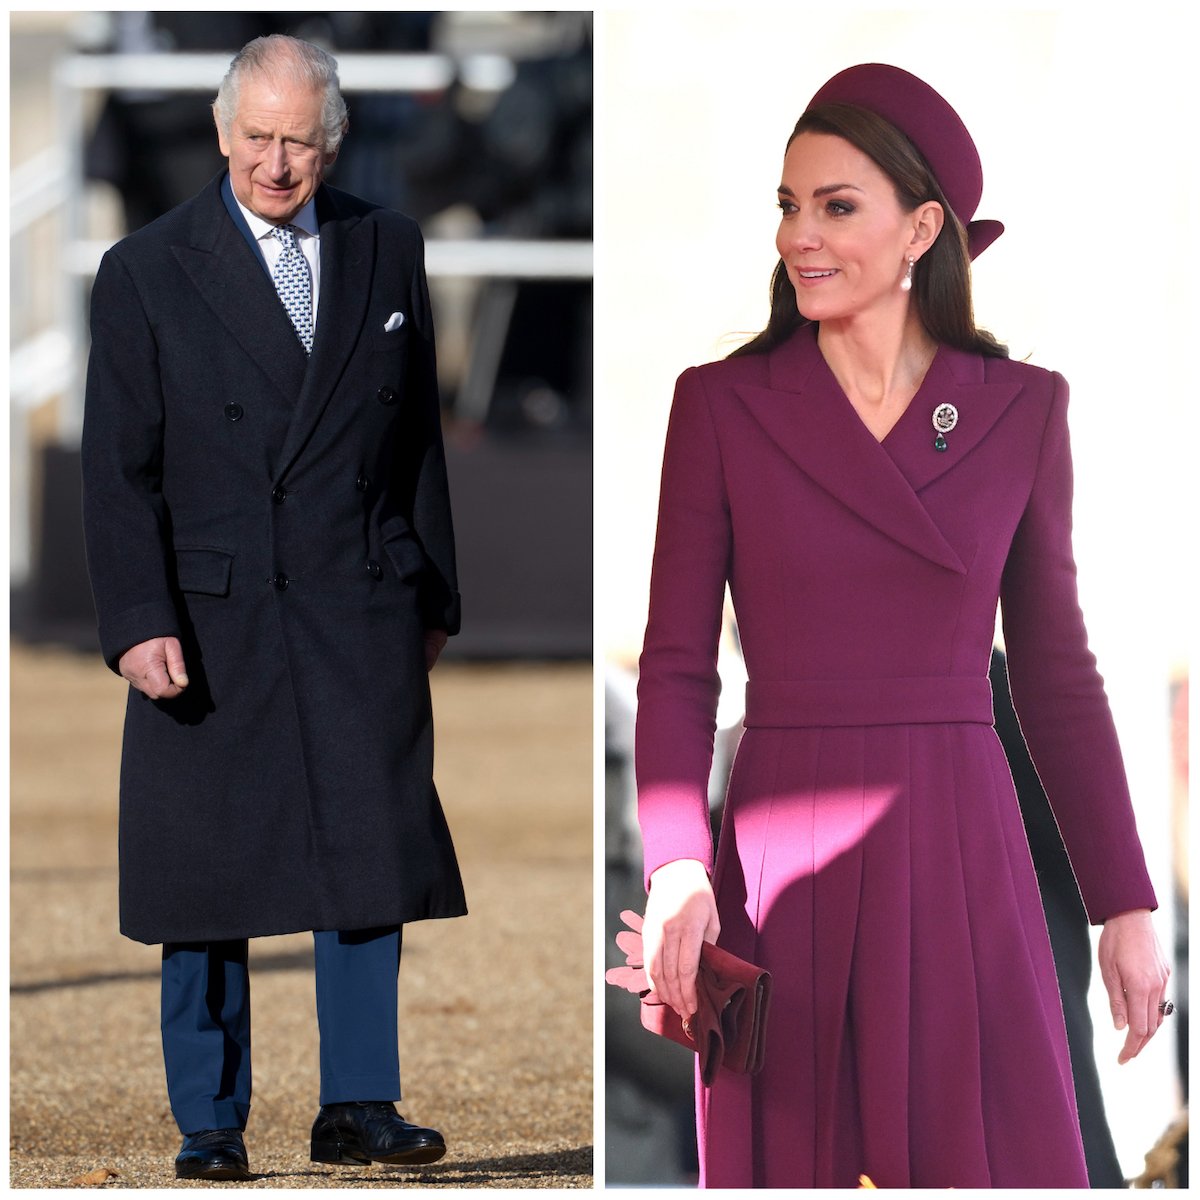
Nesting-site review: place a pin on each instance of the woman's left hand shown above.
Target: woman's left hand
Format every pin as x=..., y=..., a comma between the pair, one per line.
x=1135, y=972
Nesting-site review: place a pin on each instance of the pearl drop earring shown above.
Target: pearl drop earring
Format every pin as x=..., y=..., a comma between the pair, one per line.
x=906, y=282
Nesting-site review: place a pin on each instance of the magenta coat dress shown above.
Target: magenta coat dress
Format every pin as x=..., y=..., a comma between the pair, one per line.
x=872, y=854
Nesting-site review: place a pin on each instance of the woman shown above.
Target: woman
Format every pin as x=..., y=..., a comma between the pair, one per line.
x=870, y=475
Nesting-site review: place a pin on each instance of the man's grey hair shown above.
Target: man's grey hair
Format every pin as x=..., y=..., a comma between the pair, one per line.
x=283, y=59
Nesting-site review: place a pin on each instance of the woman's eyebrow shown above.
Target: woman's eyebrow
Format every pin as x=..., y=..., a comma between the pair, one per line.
x=784, y=190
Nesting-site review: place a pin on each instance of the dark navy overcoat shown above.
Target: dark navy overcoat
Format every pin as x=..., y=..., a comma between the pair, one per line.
x=287, y=518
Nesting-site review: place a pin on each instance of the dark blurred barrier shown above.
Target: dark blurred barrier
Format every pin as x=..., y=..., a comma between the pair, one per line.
x=58, y=604
x=522, y=513
x=523, y=524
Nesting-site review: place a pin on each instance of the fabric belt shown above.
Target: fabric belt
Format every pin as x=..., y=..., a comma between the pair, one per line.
x=796, y=703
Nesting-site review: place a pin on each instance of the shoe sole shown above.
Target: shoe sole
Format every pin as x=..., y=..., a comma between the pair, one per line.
x=338, y=1152
x=232, y=1171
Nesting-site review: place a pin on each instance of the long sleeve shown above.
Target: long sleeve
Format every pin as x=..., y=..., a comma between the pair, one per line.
x=678, y=682
x=125, y=516
x=1059, y=694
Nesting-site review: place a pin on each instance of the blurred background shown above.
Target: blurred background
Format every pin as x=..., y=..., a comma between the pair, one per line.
x=1081, y=126
x=479, y=125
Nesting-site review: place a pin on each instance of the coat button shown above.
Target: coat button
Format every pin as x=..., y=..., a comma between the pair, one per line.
x=374, y=569
x=386, y=395
x=279, y=493
x=362, y=483
x=233, y=412
x=280, y=581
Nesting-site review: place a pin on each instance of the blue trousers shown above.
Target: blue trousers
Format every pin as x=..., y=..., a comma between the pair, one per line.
x=206, y=1024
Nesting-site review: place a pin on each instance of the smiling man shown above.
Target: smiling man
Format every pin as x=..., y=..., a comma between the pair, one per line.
x=272, y=559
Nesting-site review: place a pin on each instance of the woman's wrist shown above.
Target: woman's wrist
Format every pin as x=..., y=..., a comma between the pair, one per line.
x=1136, y=913
x=680, y=868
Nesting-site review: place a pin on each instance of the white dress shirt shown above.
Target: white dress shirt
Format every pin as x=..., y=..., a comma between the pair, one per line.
x=308, y=238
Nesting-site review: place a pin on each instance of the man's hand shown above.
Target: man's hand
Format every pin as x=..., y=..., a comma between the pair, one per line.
x=435, y=643
x=155, y=668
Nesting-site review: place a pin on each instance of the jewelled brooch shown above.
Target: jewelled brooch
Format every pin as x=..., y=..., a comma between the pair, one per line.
x=945, y=417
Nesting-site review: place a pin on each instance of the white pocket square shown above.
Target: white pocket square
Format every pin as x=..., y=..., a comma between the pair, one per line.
x=394, y=322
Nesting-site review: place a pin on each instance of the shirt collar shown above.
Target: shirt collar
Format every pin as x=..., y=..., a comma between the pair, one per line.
x=305, y=220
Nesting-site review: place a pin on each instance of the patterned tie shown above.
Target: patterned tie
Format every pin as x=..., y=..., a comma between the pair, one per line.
x=294, y=284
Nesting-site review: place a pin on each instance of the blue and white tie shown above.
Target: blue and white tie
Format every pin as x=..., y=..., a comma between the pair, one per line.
x=294, y=284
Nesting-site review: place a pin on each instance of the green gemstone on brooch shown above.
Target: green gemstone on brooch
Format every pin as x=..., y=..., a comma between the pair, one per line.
x=939, y=443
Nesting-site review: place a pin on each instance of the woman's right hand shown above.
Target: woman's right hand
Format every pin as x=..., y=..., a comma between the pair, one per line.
x=681, y=913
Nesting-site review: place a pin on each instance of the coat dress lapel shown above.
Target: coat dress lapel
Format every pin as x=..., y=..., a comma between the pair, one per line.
x=957, y=377
x=805, y=412
x=347, y=266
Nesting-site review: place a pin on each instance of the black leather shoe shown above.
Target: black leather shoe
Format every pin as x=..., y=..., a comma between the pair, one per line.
x=213, y=1154
x=371, y=1131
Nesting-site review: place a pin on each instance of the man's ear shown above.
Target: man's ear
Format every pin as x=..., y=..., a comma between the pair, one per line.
x=222, y=139
x=331, y=155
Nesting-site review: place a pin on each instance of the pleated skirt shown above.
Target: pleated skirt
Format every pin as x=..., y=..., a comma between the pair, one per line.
x=916, y=1036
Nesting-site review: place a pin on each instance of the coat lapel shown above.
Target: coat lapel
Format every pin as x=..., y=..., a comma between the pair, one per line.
x=957, y=377
x=347, y=266
x=239, y=292
x=806, y=413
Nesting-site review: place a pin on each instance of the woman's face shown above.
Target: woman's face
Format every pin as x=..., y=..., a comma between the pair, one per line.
x=843, y=236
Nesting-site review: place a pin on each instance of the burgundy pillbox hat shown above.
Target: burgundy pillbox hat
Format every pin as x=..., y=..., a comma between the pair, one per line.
x=931, y=125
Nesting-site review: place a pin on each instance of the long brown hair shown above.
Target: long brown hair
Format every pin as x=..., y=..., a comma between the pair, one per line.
x=941, y=281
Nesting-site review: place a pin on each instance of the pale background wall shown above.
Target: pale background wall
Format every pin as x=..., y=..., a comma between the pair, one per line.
x=1081, y=120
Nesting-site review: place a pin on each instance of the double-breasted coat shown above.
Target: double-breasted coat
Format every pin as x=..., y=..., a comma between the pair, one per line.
x=287, y=518
x=872, y=853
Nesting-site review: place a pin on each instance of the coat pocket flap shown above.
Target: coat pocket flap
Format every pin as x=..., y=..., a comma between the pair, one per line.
x=205, y=570
x=405, y=555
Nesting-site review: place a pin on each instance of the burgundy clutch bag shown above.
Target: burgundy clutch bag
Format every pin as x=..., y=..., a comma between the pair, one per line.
x=729, y=1030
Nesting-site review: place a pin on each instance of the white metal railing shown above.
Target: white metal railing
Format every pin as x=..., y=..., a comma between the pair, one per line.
x=49, y=361
x=357, y=72
x=492, y=258
x=36, y=188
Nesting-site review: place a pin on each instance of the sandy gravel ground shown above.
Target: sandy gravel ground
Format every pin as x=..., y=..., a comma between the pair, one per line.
x=496, y=1030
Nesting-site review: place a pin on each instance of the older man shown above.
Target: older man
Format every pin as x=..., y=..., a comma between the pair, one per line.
x=270, y=546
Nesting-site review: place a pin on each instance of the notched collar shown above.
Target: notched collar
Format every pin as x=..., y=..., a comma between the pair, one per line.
x=347, y=270
x=959, y=378
x=805, y=412
x=228, y=274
